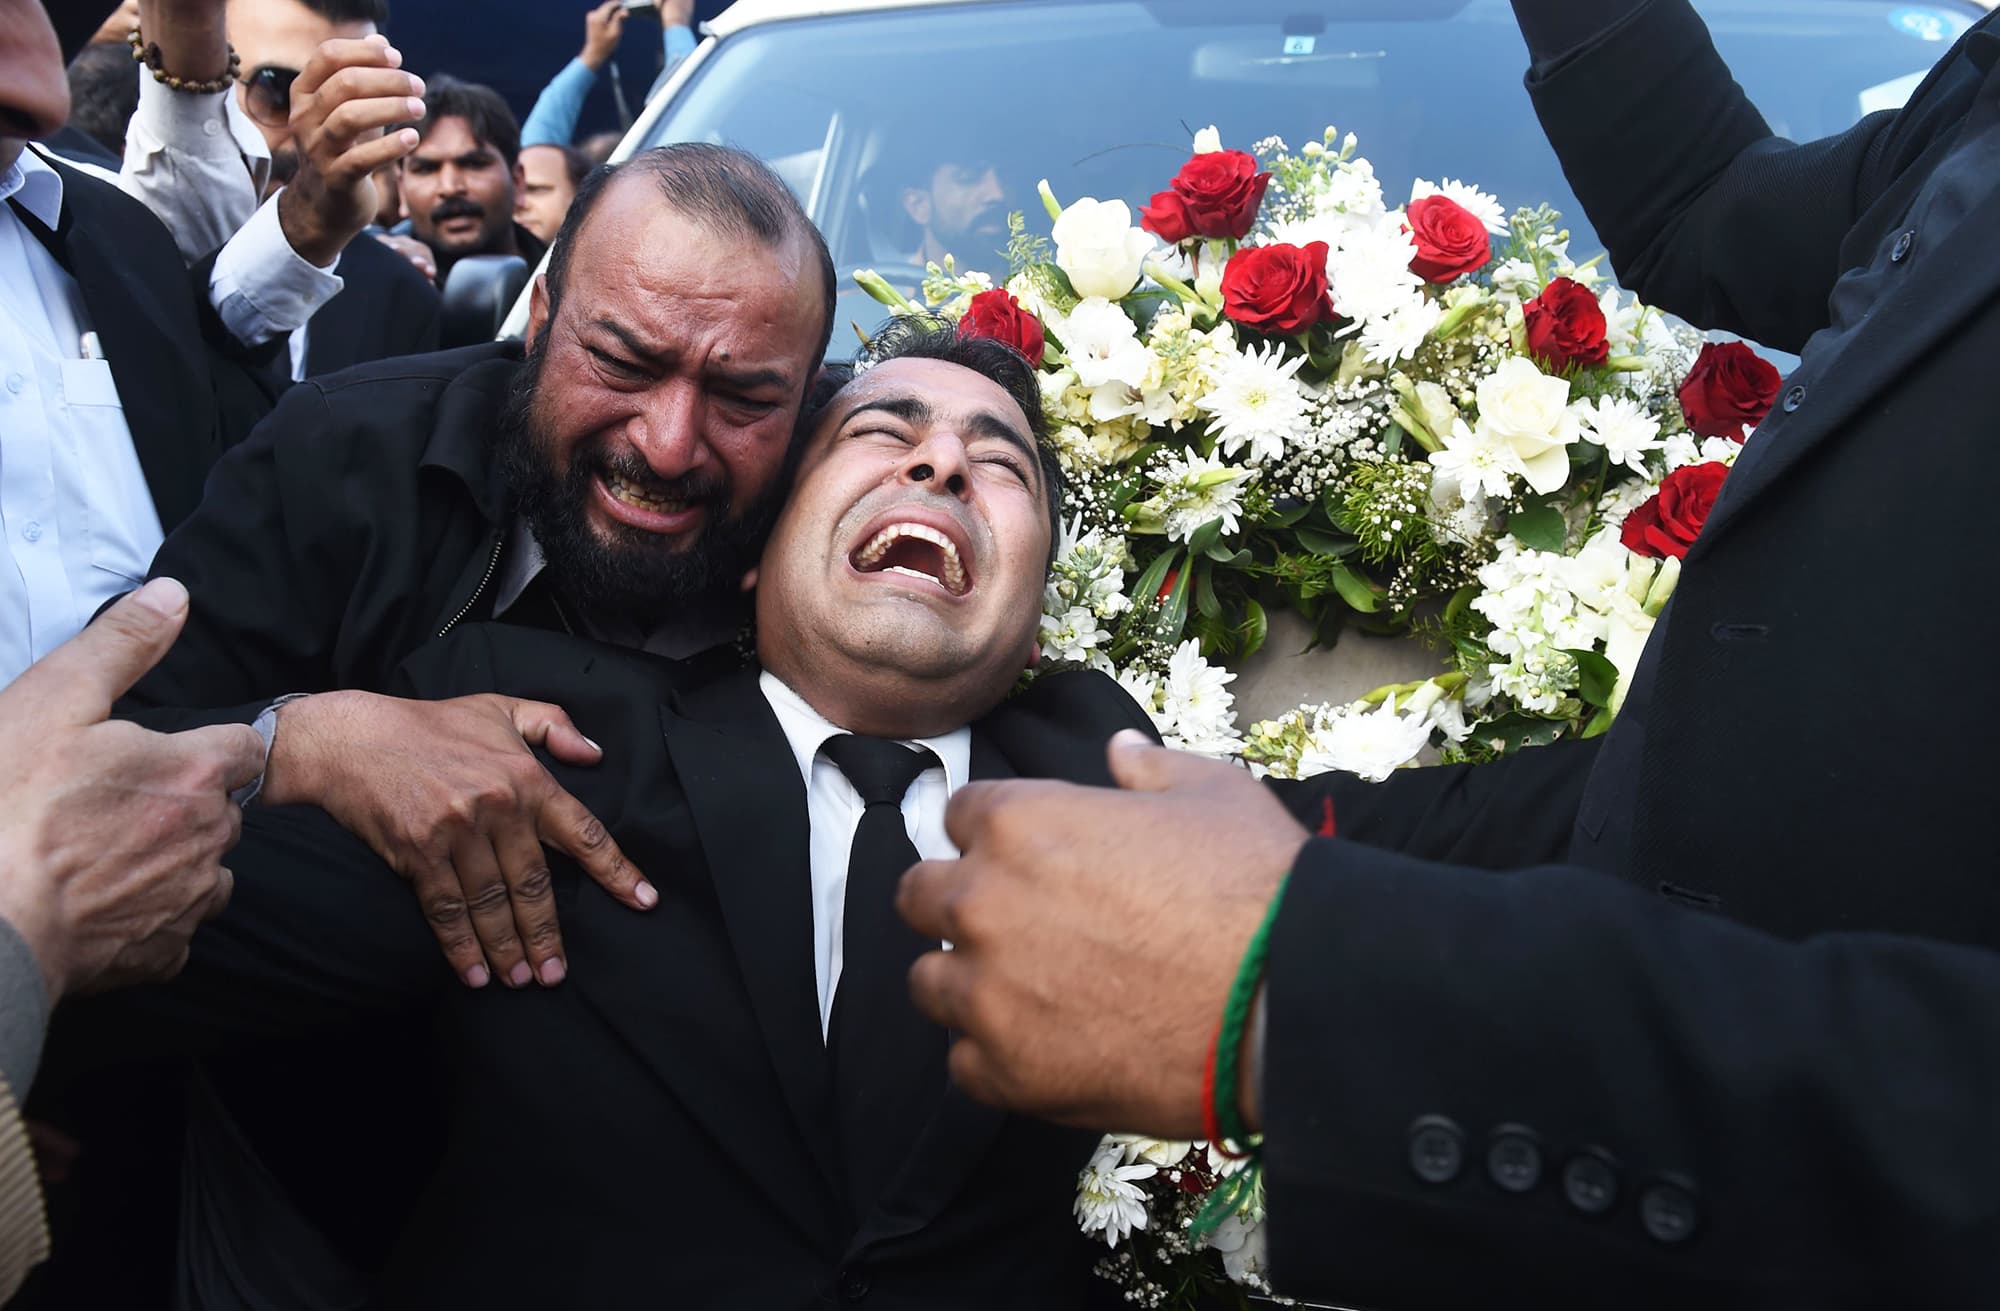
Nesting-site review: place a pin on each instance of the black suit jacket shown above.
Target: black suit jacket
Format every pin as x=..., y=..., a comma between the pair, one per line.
x=1763, y=993
x=189, y=389
x=656, y=1131
x=385, y=308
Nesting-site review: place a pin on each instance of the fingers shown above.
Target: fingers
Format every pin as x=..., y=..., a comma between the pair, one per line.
x=937, y=987
x=543, y=725
x=360, y=161
x=530, y=889
x=412, y=250
x=235, y=751
x=77, y=682
x=924, y=898
x=490, y=908
x=443, y=899
x=1139, y=765
x=566, y=824
x=332, y=56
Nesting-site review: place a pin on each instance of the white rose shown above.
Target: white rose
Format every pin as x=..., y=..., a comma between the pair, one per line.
x=1207, y=141
x=1099, y=249
x=1527, y=411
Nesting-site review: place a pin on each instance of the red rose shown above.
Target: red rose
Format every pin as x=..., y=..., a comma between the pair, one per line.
x=1450, y=241
x=1669, y=523
x=1214, y=195
x=1566, y=326
x=1277, y=289
x=1729, y=386
x=998, y=315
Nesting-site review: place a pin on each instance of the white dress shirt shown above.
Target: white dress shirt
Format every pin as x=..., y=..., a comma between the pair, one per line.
x=834, y=809
x=197, y=161
x=76, y=516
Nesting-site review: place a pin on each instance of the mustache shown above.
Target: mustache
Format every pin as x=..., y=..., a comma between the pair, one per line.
x=457, y=208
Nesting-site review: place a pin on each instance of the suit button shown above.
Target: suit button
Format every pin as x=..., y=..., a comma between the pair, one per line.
x=1668, y=1212
x=1590, y=1182
x=1795, y=398
x=1437, y=1149
x=1513, y=1160
x=1903, y=244
x=853, y=1283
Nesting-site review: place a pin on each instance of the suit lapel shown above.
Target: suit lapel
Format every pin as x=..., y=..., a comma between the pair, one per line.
x=748, y=804
x=1953, y=281
x=960, y=1133
x=168, y=407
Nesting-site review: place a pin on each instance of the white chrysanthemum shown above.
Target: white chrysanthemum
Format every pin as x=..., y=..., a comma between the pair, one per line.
x=1487, y=209
x=1103, y=344
x=1108, y=1198
x=1397, y=335
x=1143, y=686
x=1626, y=432
x=1258, y=401
x=1517, y=279
x=1473, y=466
x=1368, y=273
x=1372, y=746
x=1197, y=710
x=1685, y=448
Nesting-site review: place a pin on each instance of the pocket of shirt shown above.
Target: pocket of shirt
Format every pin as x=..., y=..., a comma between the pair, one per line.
x=89, y=382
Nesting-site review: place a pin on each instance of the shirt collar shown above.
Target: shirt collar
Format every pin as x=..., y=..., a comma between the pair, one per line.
x=807, y=730
x=35, y=187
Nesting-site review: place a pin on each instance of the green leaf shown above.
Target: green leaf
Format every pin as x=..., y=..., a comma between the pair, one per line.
x=1599, y=676
x=1599, y=723
x=1174, y=618
x=1205, y=599
x=1325, y=544
x=1460, y=600
x=1150, y=582
x=1229, y=559
x=1357, y=591
x=1511, y=733
x=1204, y=537
x=1539, y=527
x=1256, y=628
x=1290, y=515
x=1392, y=441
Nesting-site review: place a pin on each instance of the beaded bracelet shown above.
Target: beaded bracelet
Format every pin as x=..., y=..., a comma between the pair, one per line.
x=1222, y=1115
x=149, y=55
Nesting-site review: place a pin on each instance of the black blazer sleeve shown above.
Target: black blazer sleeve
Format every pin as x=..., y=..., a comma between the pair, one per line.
x=1704, y=212
x=1504, y=815
x=1829, y=1109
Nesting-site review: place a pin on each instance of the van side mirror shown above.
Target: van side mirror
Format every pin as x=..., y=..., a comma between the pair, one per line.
x=478, y=292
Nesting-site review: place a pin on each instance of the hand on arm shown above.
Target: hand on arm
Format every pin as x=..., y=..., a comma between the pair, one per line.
x=112, y=837
x=603, y=28
x=449, y=795
x=1095, y=934
x=341, y=102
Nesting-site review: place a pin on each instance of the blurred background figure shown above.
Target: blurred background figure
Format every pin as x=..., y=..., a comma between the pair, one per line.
x=553, y=119
x=275, y=39
x=459, y=183
x=599, y=145
x=103, y=93
x=549, y=177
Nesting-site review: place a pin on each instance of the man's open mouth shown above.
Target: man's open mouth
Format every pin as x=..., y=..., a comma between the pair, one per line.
x=916, y=551
x=641, y=498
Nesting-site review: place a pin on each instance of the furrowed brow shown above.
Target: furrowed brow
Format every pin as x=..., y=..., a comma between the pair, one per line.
x=910, y=409
x=646, y=353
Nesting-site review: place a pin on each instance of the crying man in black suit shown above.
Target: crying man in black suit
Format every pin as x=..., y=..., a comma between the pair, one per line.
x=731, y=1102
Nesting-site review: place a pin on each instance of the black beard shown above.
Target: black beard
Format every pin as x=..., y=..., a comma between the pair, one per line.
x=627, y=573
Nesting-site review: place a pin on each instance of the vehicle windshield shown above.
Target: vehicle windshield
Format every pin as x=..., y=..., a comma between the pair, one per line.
x=908, y=132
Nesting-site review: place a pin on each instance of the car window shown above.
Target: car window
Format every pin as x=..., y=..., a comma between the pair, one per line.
x=908, y=131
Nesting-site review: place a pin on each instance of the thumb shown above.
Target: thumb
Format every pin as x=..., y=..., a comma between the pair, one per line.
x=1140, y=765
x=544, y=725
x=78, y=681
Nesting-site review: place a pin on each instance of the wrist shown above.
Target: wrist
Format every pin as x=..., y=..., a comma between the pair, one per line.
x=193, y=45
x=305, y=228
x=1250, y=1082
x=594, y=60
x=299, y=740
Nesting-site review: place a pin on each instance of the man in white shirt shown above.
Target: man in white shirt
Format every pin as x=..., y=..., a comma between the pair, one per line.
x=118, y=388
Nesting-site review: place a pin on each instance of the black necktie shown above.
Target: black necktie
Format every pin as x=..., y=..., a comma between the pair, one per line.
x=888, y=1061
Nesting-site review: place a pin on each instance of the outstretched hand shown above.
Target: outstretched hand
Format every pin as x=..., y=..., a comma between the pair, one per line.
x=1094, y=934
x=450, y=796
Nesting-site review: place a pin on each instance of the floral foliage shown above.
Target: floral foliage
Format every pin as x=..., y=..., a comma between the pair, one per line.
x=1278, y=389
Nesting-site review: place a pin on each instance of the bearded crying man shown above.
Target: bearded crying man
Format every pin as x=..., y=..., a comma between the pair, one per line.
x=732, y=1102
